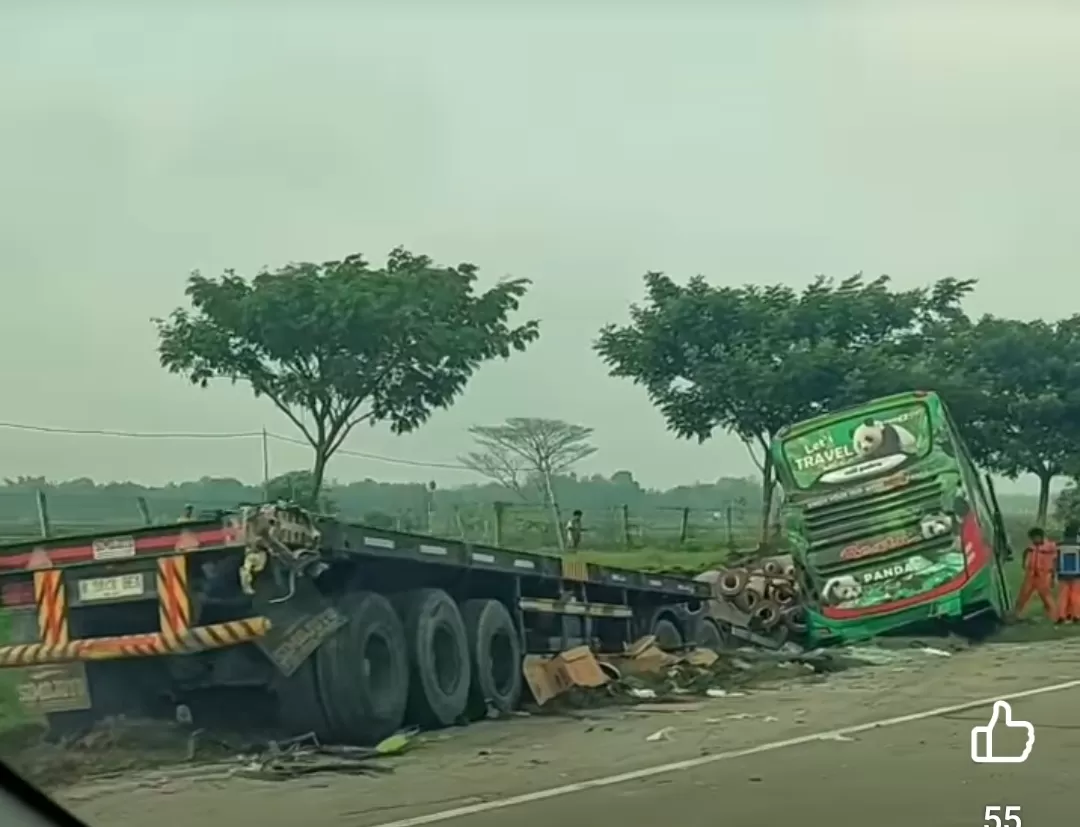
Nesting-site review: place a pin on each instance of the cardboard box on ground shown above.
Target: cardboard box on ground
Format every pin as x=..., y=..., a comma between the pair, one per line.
x=549, y=677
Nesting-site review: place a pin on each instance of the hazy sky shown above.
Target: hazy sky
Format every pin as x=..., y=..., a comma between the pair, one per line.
x=763, y=141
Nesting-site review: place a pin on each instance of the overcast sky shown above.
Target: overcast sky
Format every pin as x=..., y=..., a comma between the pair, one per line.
x=763, y=141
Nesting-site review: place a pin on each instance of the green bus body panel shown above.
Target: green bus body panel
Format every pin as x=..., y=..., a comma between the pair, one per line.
x=888, y=520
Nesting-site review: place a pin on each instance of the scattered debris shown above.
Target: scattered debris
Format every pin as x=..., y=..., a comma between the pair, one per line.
x=662, y=734
x=306, y=756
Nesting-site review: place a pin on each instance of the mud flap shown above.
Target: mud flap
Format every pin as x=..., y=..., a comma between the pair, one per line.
x=60, y=687
x=297, y=625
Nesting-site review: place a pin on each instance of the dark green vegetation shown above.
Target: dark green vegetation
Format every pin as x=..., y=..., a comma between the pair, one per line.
x=752, y=359
x=339, y=343
x=718, y=515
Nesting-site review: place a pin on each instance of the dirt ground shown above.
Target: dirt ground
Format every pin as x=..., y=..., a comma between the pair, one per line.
x=494, y=760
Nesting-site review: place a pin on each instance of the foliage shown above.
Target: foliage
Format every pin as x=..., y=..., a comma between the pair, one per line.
x=1014, y=389
x=752, y=359
x=299, y=487
x=1067, y=505
x=529, y=451
x=339, y=343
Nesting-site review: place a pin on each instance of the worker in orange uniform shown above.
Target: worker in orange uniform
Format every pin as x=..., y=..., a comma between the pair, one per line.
x=1040, y=566
x=1068, y=601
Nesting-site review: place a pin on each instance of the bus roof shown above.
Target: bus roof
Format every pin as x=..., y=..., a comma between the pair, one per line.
x=797, y=428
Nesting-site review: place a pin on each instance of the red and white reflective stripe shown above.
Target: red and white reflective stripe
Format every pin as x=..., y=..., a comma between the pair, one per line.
x=83, y=552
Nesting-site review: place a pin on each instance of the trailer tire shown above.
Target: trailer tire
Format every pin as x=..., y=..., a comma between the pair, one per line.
x=494, y=655
x=713, y=636
x=667, y=634
x=363, y=671
x=438, y=657
x=300, y=708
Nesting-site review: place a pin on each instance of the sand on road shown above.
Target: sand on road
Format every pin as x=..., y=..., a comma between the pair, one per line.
x=492, y=761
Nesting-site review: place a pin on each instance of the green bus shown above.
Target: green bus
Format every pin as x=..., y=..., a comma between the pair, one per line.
x=889, y=522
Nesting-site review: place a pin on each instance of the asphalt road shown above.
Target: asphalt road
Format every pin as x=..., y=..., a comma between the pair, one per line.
x=914, y=772
x=909, y=774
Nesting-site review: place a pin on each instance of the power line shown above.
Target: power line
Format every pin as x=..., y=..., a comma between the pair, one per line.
x=17, y=426
x=362, y=455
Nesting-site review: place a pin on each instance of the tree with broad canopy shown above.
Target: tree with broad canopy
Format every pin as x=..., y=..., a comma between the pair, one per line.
x=529, y=451
x=339, y=343
x=752, y=359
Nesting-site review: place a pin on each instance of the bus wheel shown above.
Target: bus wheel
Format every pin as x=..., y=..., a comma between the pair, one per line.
x=363, y=671
x=495, y=656
x=438, y=657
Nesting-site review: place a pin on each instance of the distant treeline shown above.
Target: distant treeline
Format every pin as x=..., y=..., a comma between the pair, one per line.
x=703, y=514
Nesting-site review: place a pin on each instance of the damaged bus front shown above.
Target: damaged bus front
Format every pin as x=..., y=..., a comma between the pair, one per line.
x=889, y=521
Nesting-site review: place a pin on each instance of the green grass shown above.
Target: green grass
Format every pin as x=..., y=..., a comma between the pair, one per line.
x=11, y=714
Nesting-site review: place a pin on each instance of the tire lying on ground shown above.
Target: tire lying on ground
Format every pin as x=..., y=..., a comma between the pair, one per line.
x=438, y=650
x=362, y=672
x=494, y=657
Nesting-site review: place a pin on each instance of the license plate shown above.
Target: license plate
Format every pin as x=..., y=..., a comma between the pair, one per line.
x=60, y=687
x=110, y=588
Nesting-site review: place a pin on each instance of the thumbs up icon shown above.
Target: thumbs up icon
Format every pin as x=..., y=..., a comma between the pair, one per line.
x=1001, y=716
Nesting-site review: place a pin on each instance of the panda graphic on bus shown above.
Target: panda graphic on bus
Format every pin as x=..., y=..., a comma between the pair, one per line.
x=878, y=446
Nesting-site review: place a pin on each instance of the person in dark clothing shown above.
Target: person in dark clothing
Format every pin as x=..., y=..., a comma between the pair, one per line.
x=574, y=529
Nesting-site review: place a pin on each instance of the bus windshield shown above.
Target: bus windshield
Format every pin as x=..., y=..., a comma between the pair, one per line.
x=859, y=446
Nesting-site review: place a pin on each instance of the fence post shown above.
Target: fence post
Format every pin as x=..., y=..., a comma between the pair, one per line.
x=43, y=514
x=625, y=513
x=730, y=516
x=144, y=510
x=500, y=508
x=684, y=524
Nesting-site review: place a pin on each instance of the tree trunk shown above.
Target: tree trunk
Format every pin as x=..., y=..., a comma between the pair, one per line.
x=768, y=486
x=1045, y=478
x=317, y=474
x=549, y=495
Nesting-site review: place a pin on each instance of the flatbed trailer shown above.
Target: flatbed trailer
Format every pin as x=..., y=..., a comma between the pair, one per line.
x=270, y=614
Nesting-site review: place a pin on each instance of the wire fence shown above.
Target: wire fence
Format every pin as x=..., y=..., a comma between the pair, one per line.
x=27, y=514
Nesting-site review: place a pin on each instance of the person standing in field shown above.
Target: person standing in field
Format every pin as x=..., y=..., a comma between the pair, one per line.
x=1040, y=567
x=1068, y=600
x=574, y=530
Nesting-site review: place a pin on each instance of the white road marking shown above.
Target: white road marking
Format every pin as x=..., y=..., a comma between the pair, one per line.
x=700, y=761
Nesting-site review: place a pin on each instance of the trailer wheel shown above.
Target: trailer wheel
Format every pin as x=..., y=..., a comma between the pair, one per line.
x=667, y=634
x=713, y=636
x=363, y=671
x=495, y=656
x=438, y=656
x=300, y=708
